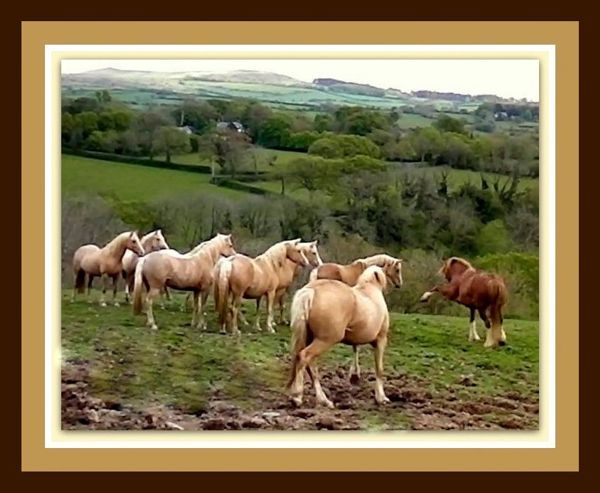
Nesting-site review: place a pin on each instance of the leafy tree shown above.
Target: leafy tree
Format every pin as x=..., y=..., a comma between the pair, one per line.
x=146, y=126
x=446, y=123
x=228, y=149
x=493, y=238
x=323, y=122
x=170, y=140
x=275, y=132
x=326, y=147
x=426, y=142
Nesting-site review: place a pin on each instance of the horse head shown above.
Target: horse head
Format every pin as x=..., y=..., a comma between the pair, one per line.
x=311, y=253
x=134, y=244
x=227, y=249
x=393, y=271
x=294, y=252
x=158, y=242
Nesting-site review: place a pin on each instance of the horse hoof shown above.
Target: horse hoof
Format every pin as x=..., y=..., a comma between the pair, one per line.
x=117, y=303
x=354, y=379
x=383, y=400
x=103, y=304
x=154, y=327
x=297, y=401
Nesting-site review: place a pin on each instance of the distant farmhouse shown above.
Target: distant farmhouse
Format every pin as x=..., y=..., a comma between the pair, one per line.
x=234, y=126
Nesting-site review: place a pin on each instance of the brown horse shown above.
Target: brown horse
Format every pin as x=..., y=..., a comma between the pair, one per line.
x=151, y=242
x=190, y=272
x=105, y=262
x=349, y=274
x=477, y=290
x=360, y=317
x=241, y=277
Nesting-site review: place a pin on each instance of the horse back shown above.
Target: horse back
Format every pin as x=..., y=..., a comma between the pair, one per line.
x=483, y=289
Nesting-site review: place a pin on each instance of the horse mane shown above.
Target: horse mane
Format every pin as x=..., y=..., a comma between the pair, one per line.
x=275, y=254
x=379, y=260
x=117, y=241
x=460, y=260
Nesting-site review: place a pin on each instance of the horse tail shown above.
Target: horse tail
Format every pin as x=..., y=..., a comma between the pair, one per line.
x=499, y=299
x=221, y=288
x=137, y=286
x=79, y=280
x=301, y=305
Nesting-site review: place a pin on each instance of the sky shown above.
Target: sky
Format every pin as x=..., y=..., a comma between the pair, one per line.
x=502, y=77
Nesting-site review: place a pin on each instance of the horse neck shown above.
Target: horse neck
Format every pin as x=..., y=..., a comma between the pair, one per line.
x=212, y=252
x=465, y=272
x=275, y=257
x=117, y=247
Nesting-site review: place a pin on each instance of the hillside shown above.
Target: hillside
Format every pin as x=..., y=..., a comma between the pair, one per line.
x=142, y=87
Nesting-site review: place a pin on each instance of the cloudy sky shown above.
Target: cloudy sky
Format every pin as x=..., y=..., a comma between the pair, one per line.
x=506, y=78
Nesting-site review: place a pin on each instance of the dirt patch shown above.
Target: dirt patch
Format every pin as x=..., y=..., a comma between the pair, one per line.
x=420, y=408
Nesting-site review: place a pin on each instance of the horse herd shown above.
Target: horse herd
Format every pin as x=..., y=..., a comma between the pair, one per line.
x=340, y=303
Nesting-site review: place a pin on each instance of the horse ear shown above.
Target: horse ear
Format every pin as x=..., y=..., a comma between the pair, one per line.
x=296, y=241
x=315, y=242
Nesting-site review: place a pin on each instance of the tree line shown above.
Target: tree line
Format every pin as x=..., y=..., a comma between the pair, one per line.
x=101, y=124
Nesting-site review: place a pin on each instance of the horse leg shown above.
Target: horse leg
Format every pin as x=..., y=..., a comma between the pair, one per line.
x=257, y=319
x=354, y=375
x=195, y=295
x=89, y=285
x=310, y=352
x=321, y=397
x=104, y=288
x=115, y=287
x=488, y=326
x=379, y=346
x=202, y=315
x=150, y=322
x=127, y=279
x=235, y=310
x=270, y=302
x=473, y=335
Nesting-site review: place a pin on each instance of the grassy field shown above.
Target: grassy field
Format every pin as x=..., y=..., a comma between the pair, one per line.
x=134, y=182
x=435, y=378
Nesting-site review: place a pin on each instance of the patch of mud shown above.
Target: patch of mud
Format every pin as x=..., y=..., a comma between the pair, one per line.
x=421, y=408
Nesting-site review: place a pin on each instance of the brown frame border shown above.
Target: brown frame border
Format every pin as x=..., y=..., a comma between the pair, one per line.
x=563, y=35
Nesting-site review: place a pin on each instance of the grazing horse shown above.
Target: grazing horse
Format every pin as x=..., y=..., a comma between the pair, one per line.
x=151, y=242
x=327, y=312
x=190, y=272
x=240, y=277
x=105, y=262
x=476, y=290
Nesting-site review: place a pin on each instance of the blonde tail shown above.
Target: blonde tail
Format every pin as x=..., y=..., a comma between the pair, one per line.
x=221, y=289
x=137, y=286
x=301, y=305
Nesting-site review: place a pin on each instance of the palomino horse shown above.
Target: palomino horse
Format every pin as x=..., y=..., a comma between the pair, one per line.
x=477, y=290
x=290, y=272
x=103, y=262
x=190, y=272
x=360, y=317
x=240, y=277
x=349, y=274
x=151, y=242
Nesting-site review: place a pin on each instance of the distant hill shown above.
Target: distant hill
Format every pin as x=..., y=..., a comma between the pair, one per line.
x=139, y=87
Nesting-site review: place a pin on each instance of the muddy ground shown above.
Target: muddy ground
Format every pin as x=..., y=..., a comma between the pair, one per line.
x=421, y=409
